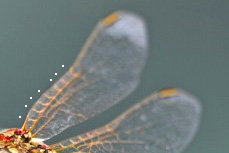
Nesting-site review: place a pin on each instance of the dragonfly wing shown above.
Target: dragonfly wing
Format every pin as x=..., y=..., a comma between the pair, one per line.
x=105, y=71
x=164, y=122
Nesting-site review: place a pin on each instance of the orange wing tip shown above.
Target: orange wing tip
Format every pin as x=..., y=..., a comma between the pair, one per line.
x=167, y=93
x=110, y=19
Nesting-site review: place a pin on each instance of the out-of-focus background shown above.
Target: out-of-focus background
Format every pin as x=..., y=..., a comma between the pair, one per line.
x=188, y=49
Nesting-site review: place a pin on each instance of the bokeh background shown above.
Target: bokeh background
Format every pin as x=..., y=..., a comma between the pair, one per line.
x=189, y=49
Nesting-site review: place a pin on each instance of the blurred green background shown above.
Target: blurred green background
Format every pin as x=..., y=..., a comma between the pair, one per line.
x=189, y=49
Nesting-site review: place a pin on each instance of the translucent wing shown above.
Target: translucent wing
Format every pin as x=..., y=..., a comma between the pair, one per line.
x=106, y=70
x=164, y=122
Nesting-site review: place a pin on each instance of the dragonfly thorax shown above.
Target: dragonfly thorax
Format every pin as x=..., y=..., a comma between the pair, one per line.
x=20, y=141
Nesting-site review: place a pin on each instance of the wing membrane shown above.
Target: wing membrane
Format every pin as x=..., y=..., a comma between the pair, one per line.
x=164, y=122
x=106, y=70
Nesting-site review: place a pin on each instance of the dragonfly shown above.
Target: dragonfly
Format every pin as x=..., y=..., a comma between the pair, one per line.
x=107, y=70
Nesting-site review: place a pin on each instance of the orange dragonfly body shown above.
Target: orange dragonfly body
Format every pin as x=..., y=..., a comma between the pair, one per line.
x=106, y=71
